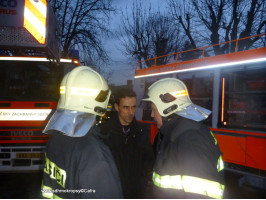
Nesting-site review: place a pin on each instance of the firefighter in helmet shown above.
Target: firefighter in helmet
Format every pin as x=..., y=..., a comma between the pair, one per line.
x=188, y=160
x=77, y=163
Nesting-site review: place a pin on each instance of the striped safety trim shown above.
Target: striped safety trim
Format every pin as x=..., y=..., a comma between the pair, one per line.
x=35, y=13
x=190, y=184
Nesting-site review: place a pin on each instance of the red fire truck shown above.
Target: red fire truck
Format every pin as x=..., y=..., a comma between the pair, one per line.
x=30, y=74
x=232, y=85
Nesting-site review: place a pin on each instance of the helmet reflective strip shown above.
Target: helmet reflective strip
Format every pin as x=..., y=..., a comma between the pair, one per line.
x=179, y=93
x=47, y=192
x=80, y=91
x=84, y=91
x=190, y=184
x=62, y=89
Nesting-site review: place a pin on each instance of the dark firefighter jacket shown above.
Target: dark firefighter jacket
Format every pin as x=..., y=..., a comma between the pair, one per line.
x=188, y=162
x=79, y=167
x=133, y=155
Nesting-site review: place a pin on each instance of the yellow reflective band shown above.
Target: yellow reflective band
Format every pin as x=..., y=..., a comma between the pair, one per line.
x=215, y=140
x=41, y=6
x=47, y=192
x=84, y=91
x=220, y=164
x=39, y=35
x=55, y=172
x=179, y=93
x=62, y=89
x=80, y=91
x=190, y=184
x=167, y=181
x=32, y=6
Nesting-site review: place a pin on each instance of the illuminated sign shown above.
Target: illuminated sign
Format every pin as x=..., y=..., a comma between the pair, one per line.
x=24, y=114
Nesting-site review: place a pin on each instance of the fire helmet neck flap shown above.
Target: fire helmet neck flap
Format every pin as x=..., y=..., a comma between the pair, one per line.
x=83, y=94
x=170, y=96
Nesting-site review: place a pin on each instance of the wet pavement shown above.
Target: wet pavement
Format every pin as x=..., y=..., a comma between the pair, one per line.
x=27, y=186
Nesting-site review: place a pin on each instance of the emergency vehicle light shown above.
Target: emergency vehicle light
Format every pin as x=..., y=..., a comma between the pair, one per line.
x=206, y=67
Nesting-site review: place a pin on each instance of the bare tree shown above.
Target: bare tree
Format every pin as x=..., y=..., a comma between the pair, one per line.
x=183, y=13
x=136, y=33
x=147, y=34
x=82, y=25
x=212, y=15
x=254, y=22
x=164, y=36
x=220, y=21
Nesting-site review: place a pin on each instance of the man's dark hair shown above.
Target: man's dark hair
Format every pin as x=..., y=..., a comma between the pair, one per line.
x=122, y=93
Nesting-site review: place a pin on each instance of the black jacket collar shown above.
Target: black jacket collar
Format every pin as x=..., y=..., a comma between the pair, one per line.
x=114, y=125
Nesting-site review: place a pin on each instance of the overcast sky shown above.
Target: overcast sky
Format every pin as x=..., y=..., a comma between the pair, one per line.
x=122, y=66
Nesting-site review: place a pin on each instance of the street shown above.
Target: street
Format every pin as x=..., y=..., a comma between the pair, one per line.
x=27, y=186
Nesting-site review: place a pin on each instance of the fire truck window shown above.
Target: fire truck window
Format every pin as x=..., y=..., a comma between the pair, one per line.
x=243, y=99
x=30, y=80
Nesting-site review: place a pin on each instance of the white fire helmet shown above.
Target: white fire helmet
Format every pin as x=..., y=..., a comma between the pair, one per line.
x=170, y=96
x=84, y=90
x=83, y=94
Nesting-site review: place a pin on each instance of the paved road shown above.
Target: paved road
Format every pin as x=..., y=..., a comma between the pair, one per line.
x=27, y=186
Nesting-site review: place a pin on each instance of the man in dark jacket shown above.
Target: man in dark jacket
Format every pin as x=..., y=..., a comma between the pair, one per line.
x=77, y=163
x=129, y=143
x=188, y=161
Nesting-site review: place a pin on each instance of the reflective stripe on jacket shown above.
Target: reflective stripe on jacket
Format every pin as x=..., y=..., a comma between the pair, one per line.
x=190, y=184
x=188, y=161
